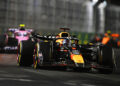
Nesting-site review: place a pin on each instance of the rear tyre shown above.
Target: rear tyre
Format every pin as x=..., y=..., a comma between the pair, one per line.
x=25, y=53
x=106, y=59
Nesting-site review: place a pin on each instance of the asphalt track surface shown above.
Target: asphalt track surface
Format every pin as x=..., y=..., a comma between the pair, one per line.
x=12, y=75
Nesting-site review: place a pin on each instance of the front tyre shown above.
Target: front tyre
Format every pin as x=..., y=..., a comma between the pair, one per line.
x=25, y=53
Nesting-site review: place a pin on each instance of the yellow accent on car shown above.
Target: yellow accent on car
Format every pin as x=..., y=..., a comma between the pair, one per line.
x=78, y=59
x=60, y=41
x=19, y=55
x=45, y=40
x=37, y=49
x=64, y=33
x=22, y=25
x=19, y=58
x=35, y=65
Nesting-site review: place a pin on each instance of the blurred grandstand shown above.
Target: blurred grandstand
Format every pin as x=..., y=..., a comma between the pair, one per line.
x=47, y=14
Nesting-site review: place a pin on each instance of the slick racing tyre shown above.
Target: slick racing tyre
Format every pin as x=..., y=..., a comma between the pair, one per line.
x=25, y=53
x=106, y=59
x=38, y=57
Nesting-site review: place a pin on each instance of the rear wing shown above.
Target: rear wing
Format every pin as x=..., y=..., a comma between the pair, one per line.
x=64, y=29
x=13, y=29
x=17, y=29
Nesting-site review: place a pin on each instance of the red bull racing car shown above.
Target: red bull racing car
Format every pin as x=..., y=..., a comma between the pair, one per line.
x=64, y=51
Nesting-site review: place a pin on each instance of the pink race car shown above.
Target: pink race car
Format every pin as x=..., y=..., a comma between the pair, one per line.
x=14, y=37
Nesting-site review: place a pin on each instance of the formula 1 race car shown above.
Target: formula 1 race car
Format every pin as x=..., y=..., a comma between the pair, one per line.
x=64, y=51
x=14, y=36
x=110, y=39
x=54, y=51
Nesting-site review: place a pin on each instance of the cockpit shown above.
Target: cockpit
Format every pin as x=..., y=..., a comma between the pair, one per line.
x=64, y=34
